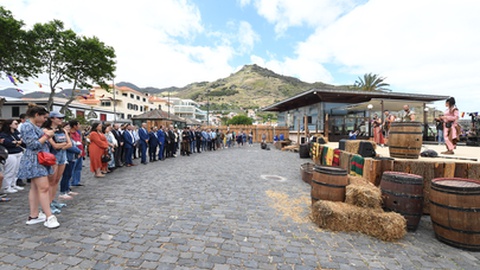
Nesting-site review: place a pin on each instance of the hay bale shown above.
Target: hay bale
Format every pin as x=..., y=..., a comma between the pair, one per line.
x=339, y=216
x=358, y=180
x=366, y=196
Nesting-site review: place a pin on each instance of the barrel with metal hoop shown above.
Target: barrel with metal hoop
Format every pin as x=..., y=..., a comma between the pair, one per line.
x=455, y=211
x=403, y=193
x=328, y=183
x=405, y=139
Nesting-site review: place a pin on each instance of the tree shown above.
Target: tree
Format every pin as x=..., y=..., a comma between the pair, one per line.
x=89, y=60
x=240, y=120
x=17, y=50
x=72, y=59
x=371, y=82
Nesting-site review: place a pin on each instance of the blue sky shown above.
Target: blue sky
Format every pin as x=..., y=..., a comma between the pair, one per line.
x=426, y=46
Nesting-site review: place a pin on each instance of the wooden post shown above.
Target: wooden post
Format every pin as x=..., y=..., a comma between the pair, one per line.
x=325, y=128
x=305, y=125
x=298, y=132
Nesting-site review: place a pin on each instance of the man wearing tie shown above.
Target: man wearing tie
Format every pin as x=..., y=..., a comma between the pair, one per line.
x=143, y=134
x=161, y=143
x=152, y=144
x=128, y=145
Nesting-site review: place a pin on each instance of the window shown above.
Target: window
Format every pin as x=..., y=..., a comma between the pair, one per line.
x=132, y=96
x=309, y=119
x=129, y=116
x=160, y=107
x=125, y=94
x=106, y=104
x=103, y=117
x=138, y=97
x=15, y=111
x=80, y=113
x=144, y=100
x=141, y=108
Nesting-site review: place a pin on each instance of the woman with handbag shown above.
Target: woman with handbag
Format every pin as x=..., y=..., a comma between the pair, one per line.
x=112, y=145
x=97, y=148
x=35, y=140
x=450, y=126
x=14, y=146
x=59, y=144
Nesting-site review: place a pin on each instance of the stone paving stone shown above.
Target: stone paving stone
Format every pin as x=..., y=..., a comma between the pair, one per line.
x=206, y=211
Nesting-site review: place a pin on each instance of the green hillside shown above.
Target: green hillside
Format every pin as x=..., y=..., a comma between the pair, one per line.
x=250, y=87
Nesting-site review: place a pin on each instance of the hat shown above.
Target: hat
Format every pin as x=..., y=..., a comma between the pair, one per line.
x=56, y=114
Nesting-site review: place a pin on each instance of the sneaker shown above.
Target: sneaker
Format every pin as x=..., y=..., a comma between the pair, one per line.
x=58, y=205
x=39, y=219
x=42, y=215
x=51, y=222
x=54, y=209
x=10, y=190
x=20, y=183
x=72, y=193
x=19, y=188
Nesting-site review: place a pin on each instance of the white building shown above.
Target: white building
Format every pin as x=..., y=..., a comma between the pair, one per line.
x=13, y=107
x=187, y=108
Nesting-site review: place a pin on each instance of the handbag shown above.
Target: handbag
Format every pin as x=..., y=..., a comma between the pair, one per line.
x=3, y=154
x=448, y=124
x=106, y=157
x=46, y=159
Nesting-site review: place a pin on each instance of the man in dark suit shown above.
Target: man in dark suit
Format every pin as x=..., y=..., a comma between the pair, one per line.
x=152, y=144
x=161, y=143
x=143, y=134
x=129, y=142
x=119, y=150
x=171, y=142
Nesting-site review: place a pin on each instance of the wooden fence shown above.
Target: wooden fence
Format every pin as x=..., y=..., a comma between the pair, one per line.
x=258, y=130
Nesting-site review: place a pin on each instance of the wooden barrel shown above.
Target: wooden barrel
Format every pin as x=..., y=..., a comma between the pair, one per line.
x=403, y=193
x=304, y=150
x=306, y=171
x=405, y=139
x=455, y=211
x=328, y=183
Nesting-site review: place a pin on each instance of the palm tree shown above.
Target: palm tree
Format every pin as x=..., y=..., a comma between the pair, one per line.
x=371, y=82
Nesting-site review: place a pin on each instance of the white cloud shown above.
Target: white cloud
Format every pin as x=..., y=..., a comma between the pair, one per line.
x=289, y=13
x=247, y=37
x=153, y=40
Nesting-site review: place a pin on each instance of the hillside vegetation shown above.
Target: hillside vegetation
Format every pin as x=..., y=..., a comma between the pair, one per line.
x=250, y=87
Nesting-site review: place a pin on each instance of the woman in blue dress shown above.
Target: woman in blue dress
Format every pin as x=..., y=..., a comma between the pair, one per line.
x=35, y=140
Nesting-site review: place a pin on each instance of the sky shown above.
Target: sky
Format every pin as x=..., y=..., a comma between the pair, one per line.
x=419, y=46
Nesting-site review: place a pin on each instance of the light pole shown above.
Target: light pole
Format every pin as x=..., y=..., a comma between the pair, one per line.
x=114, y=103
x=208, y=108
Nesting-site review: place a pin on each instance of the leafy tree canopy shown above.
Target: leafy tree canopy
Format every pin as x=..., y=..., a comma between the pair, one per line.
x=240, y=120
x=371, y=82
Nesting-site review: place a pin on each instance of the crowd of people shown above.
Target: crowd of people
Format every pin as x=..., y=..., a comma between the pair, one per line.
x=108, y=146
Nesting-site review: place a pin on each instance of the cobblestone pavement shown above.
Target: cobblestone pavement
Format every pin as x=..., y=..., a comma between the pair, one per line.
x=211, y=210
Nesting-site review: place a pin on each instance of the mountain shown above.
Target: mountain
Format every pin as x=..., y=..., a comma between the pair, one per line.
x=250, y=87
x=11, y=92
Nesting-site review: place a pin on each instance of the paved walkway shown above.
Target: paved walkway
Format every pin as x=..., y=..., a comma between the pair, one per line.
x=215, y=210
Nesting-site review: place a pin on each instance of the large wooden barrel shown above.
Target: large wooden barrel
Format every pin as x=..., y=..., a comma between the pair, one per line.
x=405, y=139
x=455, y=211
x=403, y=193
x=306, y=171
x=304, y=150
x=328, y=183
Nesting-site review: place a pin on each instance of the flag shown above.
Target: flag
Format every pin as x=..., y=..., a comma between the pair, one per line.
x=19, y=90
x=38, y=84
x=85, y=97
x=463, y=114
x=13, y=79
x=102, y=96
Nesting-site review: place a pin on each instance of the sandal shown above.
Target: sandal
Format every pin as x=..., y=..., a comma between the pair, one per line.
x=5, y=199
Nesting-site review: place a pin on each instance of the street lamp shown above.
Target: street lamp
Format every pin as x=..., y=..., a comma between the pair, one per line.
x=208, y=108
x=369, y=107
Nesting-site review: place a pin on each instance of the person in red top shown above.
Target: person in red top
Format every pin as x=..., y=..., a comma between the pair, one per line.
x=98, y=146
x=76, y=136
